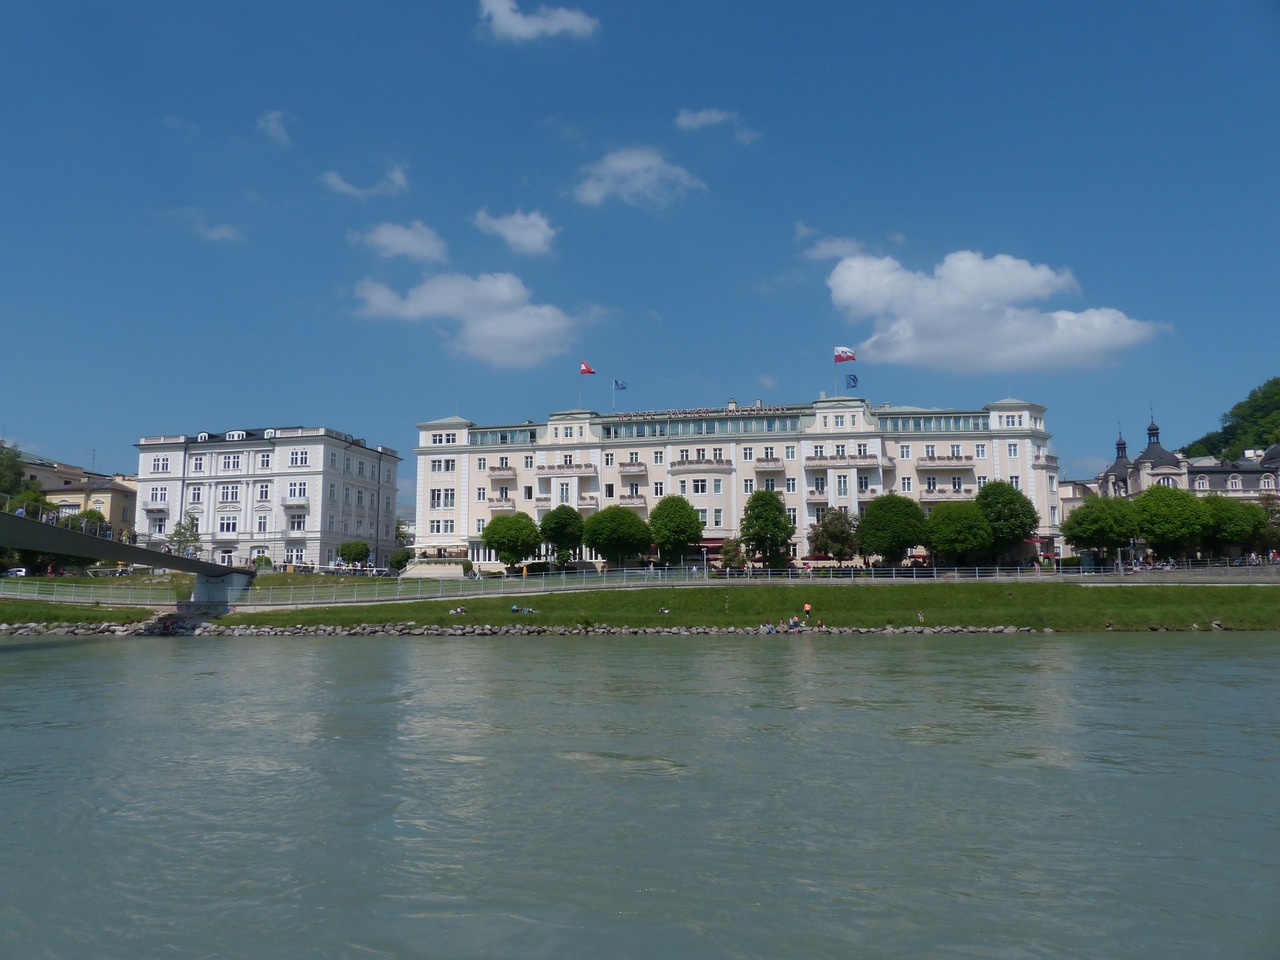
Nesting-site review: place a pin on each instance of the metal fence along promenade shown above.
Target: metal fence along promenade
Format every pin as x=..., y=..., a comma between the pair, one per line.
x=385, y=590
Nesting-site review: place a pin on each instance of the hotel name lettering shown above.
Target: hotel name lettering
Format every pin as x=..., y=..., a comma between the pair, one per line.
x=703, y=412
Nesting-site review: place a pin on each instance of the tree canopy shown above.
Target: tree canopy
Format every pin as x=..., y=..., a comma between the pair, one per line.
x=616, y=533
x=835, y=535
x=1253, y=423
x=354, y=551
x=186, y=532
x=958, y=529
x=1232, y=523
x=890, y=526
x=1012, y=516
x=731, y=553
x=1170, y=520
x=513, y=537
x=1101, y=523
x=766, y=530
x=562, y=528
x=10, y=470
x=675, y=525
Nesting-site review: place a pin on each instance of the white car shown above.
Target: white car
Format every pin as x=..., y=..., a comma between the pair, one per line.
x=15, y=572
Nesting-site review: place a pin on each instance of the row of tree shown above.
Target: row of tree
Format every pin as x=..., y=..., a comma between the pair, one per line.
x=1173, y=523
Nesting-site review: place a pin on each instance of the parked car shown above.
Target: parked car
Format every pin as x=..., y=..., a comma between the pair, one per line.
x=15, y=572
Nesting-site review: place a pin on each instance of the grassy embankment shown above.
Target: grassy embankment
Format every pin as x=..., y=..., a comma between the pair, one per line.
x=1058, y=606
x=39, y=611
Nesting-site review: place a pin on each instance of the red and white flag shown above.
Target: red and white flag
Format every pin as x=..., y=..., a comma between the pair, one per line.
x=844, y=353
x=584, y=367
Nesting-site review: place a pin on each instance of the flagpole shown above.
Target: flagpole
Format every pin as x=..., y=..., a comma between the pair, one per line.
x=613, y=398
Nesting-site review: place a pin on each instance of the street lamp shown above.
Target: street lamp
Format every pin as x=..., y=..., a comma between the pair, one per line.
x=705, y=572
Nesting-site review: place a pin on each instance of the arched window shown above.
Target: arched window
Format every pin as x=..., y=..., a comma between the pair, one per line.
x=1168, y=482
x=1268, y=482
x=1202, y=483
x=1233, y=482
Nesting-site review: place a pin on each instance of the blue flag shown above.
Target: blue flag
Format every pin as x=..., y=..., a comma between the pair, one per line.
x=619, y=384
x=851, y=381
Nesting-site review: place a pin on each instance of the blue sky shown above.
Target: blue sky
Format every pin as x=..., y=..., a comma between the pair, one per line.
x=368, y=215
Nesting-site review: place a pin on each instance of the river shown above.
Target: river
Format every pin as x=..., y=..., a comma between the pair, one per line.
x=1105, y=796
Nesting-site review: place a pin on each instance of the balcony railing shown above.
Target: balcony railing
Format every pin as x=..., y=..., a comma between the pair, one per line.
x=588, y=500
x=632, y=500
x=499, y=472
x=540, y=502
x=941, y=462
x=567, y=469
x=155, y=506
x=633, y=467
x=501, y=503
x=947, y=493
x=1046, y=461
x=223, y=536
x=846, y=460
x=296, y=503
x=816, y=496
x=768, y=463
x=685, y=466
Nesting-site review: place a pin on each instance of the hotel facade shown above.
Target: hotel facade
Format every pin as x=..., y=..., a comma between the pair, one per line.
x=291, y=494
x=832, y=454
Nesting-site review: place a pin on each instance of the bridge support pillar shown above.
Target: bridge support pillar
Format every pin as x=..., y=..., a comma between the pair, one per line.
x=220, y=591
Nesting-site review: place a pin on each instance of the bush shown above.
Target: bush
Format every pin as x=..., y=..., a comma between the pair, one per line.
x=400, y=559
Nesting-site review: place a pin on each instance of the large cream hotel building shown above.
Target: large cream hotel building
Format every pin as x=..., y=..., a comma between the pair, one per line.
x=832, y=454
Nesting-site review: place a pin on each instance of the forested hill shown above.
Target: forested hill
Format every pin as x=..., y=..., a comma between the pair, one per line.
x=1252, y=424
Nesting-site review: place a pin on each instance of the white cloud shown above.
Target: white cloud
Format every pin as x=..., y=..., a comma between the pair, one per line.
x=202, y=228
x=181, y=124
x=524, y=232
x=506, y=22
x=638, y=176
x=395, y=181
x=698, y=119
x=968, y=315
x=271, y=126
x=417, y=241
x=834, y=248
x=496, y=323
x=802, y=231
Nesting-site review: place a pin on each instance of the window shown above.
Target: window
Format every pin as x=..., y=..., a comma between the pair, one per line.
x=956, y=484
x=700, y=453
x=264, y=461
x=197, y=494
x=717, y=453
x=295, y=555
x=159, y=464
x=346, y=464
x=702, y=516
x=1013, y=451
x=328, y=523
x=608, y=491
x=482, y=463
x=819, y=450
x=297, y=522
x=1233, y=483
x=658, y=456
x=333, y=458
x=791, y=484
x=789, y=451
x=264, y=491
x=748, y=486
x=862, y=449
x=841, y=450
x=683, y=488
x=906, y=484
x=931, y=450
x=360, y=468
x=228, y=493
x=699, y=486
x=566, y=459
x=448, y=464
x=980, y=451
x=228, y=523
x=262, y=522
x=717, y=517
x=333, y=491
x=717, y=486
x=504, y=461
x=1015, y=481
x=434, y=526
x=1268, y=482
x=439, y=438
x=684, y=455
x=297, y=488
x=441, y=498
x=768, y=453
x=528, y=491
x=792, y=516
x=658, y=488
x=448, y=526
x=904, y=451
x=771, y=484
x=157, y=524
x=360, y=498
x=955, y=450
x=231, y=461
x=159, y=494
x=839, y=419
x=748, y=453
x=564, y=493
x=479, y=526
x=608, y=459
x=197, y=464
x=346, y=493
x=528, y=462
x=1053, y=483
x=842, y=485
x=982, y=481
x=864, y=484
x=633, y=489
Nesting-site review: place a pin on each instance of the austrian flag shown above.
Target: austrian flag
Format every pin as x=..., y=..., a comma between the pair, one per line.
x=584, y=367
x=844, y=353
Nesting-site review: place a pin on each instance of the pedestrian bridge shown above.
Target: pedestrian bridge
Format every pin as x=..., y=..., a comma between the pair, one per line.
x=215, y=585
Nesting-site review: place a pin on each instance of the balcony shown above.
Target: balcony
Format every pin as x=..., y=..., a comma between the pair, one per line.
x=865, y=460
x=947, y=463
x=768, y=463
x=542, y=503
x=225, y=536
x=1046, y=461
x=633, y=500
x=589, y=501
x=296, y=503
x=155, y=506
x=501, y=503
x=688, y=466
x=946, y=493
x=633, y=467
x=567, y=470
x=498, y=473
x=816, y=496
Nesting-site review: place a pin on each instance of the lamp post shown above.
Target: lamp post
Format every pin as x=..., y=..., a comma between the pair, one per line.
x=705, y=572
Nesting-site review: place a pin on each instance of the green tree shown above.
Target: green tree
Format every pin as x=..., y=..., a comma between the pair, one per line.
x=1012, y=516
x=890, y=526
x=675, y=525
x=731, y=553
x=562, y=528
x=185, y=533
x=400, y=559
x=616, y=533
x=353, y=552
x=1254, y=422
x=402, y=532
x=1101, y=523
x=835, y=535
x=1170, y=520
x=958, y=531
x=10, y=470
x=765, y=530
x=1232, y=523
x=513, y=537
